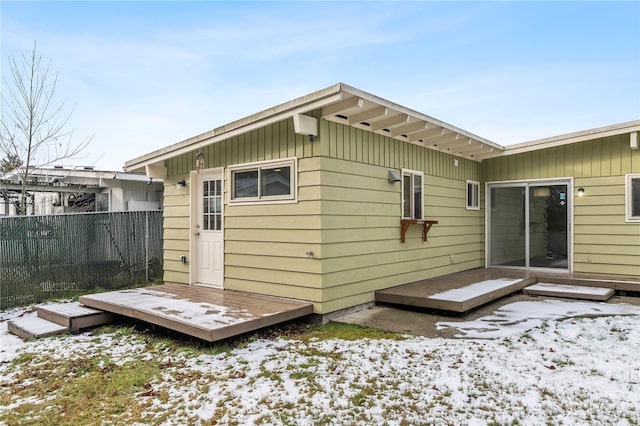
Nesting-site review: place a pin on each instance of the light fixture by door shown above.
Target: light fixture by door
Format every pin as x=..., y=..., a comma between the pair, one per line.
x=200, y=161
x=580, y=192
x=181, y=184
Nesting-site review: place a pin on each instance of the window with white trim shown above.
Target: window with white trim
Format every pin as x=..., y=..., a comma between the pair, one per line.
x=263, y=181
x=412, y=195
x=632, y=193
x=473, y=195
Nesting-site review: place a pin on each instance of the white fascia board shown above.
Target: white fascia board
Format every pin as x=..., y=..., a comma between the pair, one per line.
x=281, y=112
x=569, y=138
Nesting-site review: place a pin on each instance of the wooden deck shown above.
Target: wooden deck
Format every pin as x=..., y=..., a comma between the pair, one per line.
x=202, y=312
x=463, y=291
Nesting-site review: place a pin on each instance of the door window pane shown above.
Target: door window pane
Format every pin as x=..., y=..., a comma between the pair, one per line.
x=529, y=226
x=212, y=205
x=508, y=237
x=548, y=226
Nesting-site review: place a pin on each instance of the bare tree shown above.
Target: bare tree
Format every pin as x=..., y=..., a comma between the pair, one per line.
x=32, y=128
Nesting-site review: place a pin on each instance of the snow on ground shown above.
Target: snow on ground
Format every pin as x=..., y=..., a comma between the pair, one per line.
x=519, y=317
x=573, y=372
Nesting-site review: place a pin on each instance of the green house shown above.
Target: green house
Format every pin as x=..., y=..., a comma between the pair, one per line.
x=334, y=195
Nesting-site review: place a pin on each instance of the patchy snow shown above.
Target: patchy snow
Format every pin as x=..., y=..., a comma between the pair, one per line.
x=519, y=317
x=474, y=290
x=575, y=372
x=165, y=304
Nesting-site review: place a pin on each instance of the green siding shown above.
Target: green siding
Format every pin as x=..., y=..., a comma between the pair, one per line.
x=347, y=214
x=356, y=145
x=603, y=157
x=361, y=248
x=176, y=230
x=603, y=242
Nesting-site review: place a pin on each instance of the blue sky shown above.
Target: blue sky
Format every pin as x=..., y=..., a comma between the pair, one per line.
x=144, y=75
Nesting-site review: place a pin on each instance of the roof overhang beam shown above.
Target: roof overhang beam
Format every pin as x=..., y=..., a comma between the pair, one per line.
x=409, y=128
x=389, y=122
x=342, y=106
x=424, y=135
x=368, y=115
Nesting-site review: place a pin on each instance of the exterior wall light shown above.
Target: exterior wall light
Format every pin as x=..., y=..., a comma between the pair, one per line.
x=580, y=192
x=181, y=184
x=200, y=161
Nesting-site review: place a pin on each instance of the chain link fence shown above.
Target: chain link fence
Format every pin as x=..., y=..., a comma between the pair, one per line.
x=47, y=256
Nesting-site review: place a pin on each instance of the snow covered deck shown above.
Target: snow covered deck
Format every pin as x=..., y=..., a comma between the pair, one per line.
x=458, y=292
x=206, y=313
x=463, y=291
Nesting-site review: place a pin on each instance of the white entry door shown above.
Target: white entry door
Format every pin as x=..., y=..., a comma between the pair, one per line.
x=209, y=230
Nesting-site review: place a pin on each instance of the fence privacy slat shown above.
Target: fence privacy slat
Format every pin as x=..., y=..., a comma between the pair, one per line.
x=45, y=256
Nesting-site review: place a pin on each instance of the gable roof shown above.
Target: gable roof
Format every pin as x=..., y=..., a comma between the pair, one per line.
x=347, y=105
x=344, y=104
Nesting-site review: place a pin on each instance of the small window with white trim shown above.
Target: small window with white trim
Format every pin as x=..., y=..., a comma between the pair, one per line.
x=632, y=192
x=473, y=195
x=412, y=195
x=265, y=181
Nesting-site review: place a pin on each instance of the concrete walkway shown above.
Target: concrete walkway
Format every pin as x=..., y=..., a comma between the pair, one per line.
x=423, y=323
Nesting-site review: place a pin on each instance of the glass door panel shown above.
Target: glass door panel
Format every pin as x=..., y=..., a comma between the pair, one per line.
x=548, y=226
x=508, y=218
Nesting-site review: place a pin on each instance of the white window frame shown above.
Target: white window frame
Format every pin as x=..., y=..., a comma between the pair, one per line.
x=475, y=203
x=629, y=217
x=292, y=197
x=412, y=174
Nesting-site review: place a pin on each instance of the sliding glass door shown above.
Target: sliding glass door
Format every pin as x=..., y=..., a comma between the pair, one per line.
x=528, y=225
x=507, y=226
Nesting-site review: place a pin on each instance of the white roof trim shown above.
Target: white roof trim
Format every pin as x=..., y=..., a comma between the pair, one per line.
x=569, y=138
x=306, y=103
x=347, y=105
x=335, y=101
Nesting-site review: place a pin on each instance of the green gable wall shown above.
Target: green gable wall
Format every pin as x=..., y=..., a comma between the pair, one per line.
x=347, y=214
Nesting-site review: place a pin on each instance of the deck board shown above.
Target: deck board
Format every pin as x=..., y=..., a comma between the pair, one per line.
x=32, y=327
x=459, y=292
x=206, y=313
x=569, y=291
x=73, y=315
x=447, y=293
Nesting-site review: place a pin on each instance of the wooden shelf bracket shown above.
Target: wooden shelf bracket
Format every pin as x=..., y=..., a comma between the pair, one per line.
x=406, y=223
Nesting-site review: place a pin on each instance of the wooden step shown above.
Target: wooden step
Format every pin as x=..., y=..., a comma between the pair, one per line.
x=569, y=291
x=450, y=295
x=74, y=316
x=32, y=327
